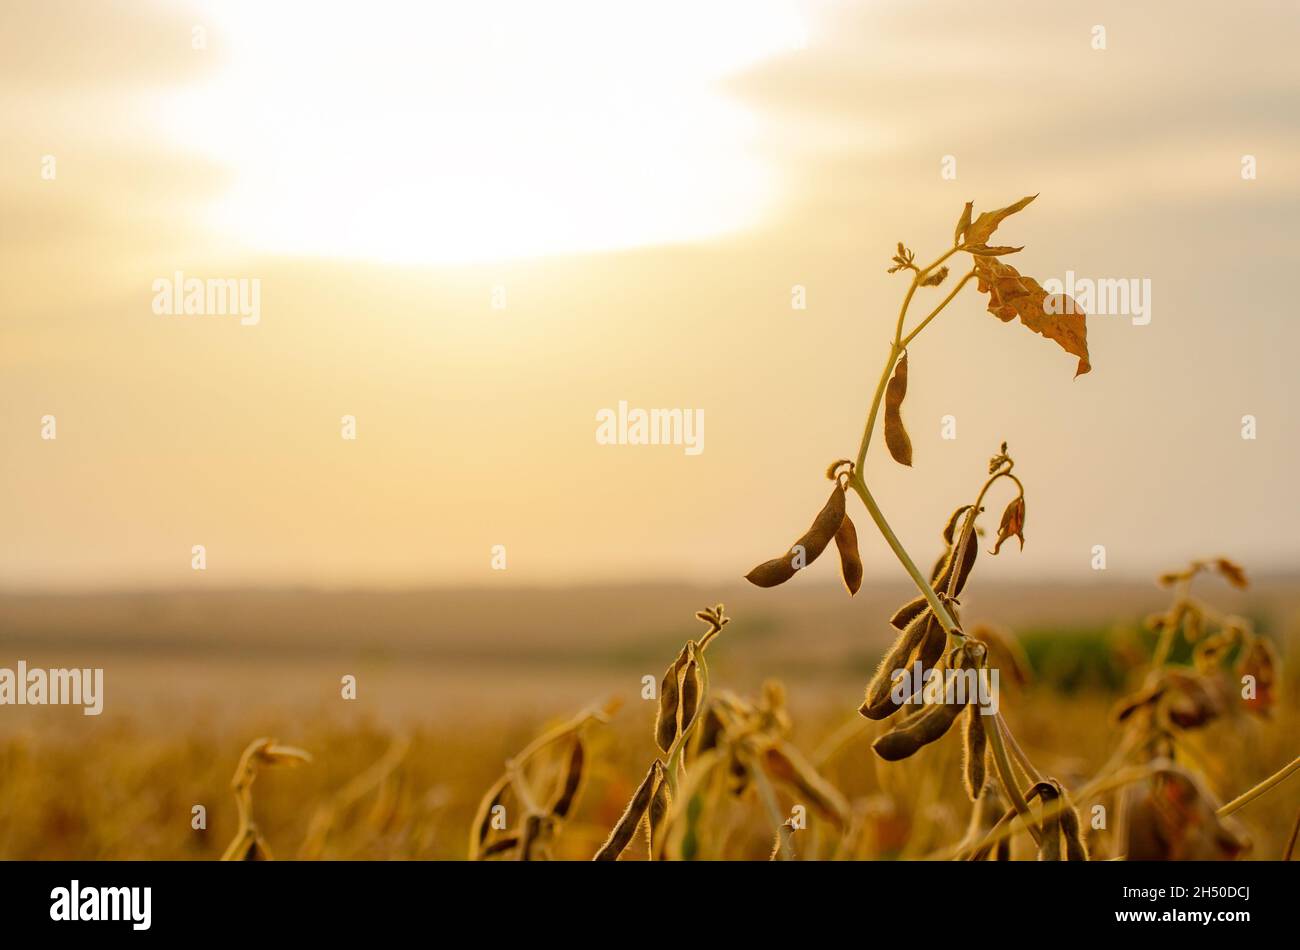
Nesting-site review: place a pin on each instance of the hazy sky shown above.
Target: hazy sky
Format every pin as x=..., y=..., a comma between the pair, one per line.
x=641, y=185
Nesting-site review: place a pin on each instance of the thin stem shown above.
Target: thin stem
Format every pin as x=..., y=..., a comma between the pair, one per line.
x=894, y=352
x=1277, y=778
x=1290, y=842
x=923, y=585
x=768, y=797
x=935, y=312
x=1018, y=752
x=898, y=346
x=1008, y=781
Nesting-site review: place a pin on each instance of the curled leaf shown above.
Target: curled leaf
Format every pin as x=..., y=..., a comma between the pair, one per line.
x=1055, y=316
x=846, y=540
x=963, y=223
x=983, y=250
x=988, y=221
x=1259, y=660
x=1232, y=573
x=807, y=549
x=1013, y=524
x=900, y=445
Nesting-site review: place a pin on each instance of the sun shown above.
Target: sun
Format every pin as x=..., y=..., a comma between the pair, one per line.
x=463, y=132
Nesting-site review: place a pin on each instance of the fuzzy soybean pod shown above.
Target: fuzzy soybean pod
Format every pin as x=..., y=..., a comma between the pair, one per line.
x=928, y=726
x=879, y=702
x=931, y=724
x=1075, y=848
x=572, y=780
x=1049, y=846
x=625, y=828
x=846, y=540
x=807, y=549
x=669, y=699
x=974, y=742
x=951, y=575
x=909, y=612
x=656, y=826
x=691, y=686
x=933, y=641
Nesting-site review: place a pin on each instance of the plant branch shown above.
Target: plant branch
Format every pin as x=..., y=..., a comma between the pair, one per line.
x=1277, y=778
x=935, y=312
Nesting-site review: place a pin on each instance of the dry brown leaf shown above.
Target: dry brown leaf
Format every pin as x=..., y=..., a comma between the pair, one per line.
x=963, y=223
x=1259, y=660
x=1055, y=316
x=988, y=221
x=1232, y=573
x=1013, y=524
x=896, y=437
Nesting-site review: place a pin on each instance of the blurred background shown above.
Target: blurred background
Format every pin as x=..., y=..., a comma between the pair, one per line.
x=476, y=226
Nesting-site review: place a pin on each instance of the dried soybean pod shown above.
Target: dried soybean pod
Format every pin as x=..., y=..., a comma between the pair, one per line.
x=846, y=540
x=784, y=764
x=1075, y=848
x=669, y=699
x=931, y=724
x=483, y=820
x=499, y=847
x=951, y=527
x=933, y=642
x=975, y=741
x=928, y=726
x=908, y=612
x=659, y=806
x=807, y=549
x=1049, y=848
x=896, y=437
x=691, y=685
x=782, y=846
x=627, y=824
x=709, y=732
x=572, y=781
x=879, y=702
x=529, y=839
x=944, y=579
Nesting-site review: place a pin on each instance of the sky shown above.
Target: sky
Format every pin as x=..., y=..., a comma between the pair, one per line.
x=475, y=229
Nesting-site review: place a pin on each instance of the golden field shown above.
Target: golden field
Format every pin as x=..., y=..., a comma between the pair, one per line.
x=451, y=684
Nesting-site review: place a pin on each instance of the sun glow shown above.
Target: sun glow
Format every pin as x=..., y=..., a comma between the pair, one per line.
x=457, y=132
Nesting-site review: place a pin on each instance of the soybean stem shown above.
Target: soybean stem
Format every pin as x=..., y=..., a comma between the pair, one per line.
x=1008, y=779
x=935, y=312
x=923, y=585
x=1277, y=778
